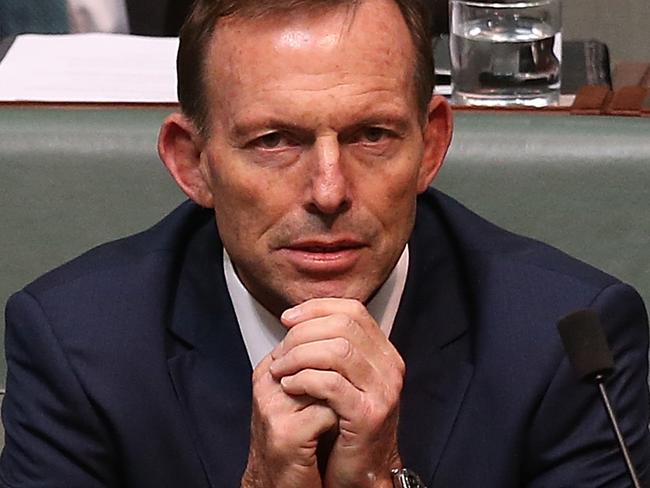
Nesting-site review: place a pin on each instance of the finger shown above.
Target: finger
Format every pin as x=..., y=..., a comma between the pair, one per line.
x=316, y=419
x=292, y=436
x=328, y=386
x=303, y=427
x=262, y=367
x=323, y=307
x=269, y=396
x=322, y=328
x=378, y=350
x=335, y=354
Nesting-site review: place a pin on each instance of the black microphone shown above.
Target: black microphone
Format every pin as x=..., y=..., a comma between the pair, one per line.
x=588, y=351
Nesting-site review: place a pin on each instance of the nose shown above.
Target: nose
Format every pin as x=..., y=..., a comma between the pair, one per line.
x=329, y=188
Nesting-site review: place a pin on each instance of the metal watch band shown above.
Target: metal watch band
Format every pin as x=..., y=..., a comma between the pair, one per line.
x=405, y=478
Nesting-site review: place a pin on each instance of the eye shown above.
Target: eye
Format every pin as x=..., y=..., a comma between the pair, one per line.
x=270, y=141
x=373, y=134
x=273, y=140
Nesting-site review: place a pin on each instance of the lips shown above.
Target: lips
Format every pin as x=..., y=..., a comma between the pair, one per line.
x=323, y=257
x=325, y=247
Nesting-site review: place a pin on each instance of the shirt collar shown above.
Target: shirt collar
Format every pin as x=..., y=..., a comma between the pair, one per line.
x=262, y=331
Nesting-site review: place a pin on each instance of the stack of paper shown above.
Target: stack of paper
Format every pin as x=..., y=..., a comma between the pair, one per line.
x=90, y=68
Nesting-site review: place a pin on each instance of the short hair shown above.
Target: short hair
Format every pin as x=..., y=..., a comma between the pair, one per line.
x=200, y=26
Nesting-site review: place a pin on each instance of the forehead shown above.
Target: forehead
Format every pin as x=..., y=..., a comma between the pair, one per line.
x=310, y=50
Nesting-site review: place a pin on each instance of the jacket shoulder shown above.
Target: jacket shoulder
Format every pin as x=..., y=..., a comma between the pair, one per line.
x=481, y=241
x=126, y=256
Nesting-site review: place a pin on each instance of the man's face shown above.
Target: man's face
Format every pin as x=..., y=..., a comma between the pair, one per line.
x=314, y=152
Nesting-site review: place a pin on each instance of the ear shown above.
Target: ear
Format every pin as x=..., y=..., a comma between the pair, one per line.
x=180, y=147
x=437, y=137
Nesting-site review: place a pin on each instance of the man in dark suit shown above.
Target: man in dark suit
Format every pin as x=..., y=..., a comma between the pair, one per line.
x=315, y=316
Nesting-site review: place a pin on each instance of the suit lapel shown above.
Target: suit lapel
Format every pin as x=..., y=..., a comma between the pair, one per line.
x=431, y=334
x=211, y=373
x=208, y=363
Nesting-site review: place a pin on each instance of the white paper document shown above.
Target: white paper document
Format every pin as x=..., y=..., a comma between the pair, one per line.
x=110, y=68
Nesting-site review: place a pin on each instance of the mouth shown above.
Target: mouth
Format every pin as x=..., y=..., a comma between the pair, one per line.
x=324, y=257
x=325, y=246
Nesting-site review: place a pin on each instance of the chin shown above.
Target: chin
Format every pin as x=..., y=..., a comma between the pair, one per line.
x=331, y=290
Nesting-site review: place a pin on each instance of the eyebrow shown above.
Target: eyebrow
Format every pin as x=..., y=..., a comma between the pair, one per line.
x=399, y=123
x=245, y=128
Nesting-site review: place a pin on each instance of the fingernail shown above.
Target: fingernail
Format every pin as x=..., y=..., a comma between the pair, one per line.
x=285, y=381
x=291, y=314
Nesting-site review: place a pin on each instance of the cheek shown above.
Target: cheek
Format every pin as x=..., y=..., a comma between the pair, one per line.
x=392, y=193
x=249, y=201
x=392, y=201
x=399, y=209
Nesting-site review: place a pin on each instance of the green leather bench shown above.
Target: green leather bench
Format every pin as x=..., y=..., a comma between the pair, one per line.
x=73, y=178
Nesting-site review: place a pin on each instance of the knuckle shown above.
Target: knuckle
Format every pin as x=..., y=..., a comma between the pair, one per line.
x=323, y=412
x=398, y=383
x=392, y=398
x=258, y=372
x=258, y=378
x=288, y=340
x=334, y=382
x=348, y=326
x=400, y=366
x=342, y=347
x=296, y=354
x=394, y=383
x=358, y=308
x=343, y=320
x=373, y=414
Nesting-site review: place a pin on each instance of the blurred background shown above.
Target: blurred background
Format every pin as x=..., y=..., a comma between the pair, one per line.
x=623, y=25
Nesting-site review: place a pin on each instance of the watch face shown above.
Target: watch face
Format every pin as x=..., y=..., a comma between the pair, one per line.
x=412, y=481
x=405, y=478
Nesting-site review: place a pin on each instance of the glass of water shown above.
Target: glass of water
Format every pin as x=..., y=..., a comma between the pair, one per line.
x=506, y=52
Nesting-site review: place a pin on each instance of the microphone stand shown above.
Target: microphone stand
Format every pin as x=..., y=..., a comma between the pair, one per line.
x=600, y=381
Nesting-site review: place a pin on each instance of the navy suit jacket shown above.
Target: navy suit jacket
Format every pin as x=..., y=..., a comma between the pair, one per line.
x=127, y=368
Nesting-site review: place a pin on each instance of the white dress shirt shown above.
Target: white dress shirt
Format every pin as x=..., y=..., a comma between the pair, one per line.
x=262, y=331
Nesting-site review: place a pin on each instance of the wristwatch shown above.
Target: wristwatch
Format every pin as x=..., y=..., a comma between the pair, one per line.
x=405, y=478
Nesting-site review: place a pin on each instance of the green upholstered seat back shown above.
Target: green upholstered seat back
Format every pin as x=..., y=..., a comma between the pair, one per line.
x=579, y=183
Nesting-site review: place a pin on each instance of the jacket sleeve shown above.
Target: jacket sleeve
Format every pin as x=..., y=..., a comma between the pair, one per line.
x=54, y=435
x=571, y=440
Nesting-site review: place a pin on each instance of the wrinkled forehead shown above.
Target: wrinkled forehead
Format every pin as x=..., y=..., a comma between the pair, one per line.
x=365, y=37
x=277, y=16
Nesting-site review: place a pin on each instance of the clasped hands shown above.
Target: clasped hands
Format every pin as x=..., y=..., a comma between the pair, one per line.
x=335, y=372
